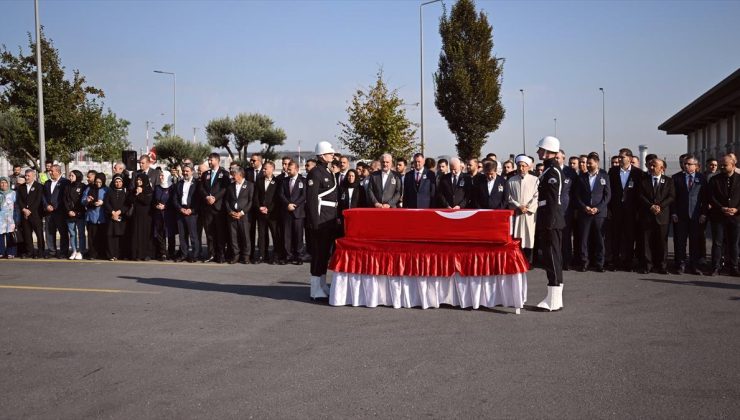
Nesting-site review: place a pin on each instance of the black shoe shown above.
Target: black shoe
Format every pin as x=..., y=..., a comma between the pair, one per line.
x=566, y=267
x=693, y=271
x=662, y=271
x=645, y=271
x=244, y=261
x=599, y=269
x=282, y=262
x=162, y=258
x=583, y=268
x=714, y=273
x=297, y=262
x=147, y=259
x=234, y=261
x=734, y=272
x=259, y=261
x=220, y=260
x=680, y=269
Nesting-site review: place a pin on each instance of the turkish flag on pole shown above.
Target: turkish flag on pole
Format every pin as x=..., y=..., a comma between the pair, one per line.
x=153, y=154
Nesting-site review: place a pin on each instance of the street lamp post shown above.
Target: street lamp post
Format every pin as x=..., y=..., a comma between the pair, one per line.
x=524, y=141
x=421, y=67
x=40, y=90
x=174, y=99
x=603, y=123
x=555, y=120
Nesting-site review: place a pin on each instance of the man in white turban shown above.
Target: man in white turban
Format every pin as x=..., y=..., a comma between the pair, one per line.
x=523, y=200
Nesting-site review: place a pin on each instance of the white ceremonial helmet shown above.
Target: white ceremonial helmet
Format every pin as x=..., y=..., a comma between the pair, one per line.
x=323, y=147
x=549, y=143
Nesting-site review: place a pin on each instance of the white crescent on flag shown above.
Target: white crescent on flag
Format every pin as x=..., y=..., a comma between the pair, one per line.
x=457, y=215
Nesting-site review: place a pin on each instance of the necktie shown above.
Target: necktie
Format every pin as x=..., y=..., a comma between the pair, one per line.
x=213, y=178
x=655, y=183
x=292, y=184
x=454, y=180
x=341, y=177
x=418, y=176
x=691, y=181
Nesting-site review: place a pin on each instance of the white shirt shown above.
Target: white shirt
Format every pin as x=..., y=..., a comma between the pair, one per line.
x=693, y=178
x=384, y=178
x=490, y=185
x=54, y=185
x=238, y=190
x=350, y=191
x=28, y=187
x=186, y=190
x=592, y=179
x=624, y=175
x=267, y=182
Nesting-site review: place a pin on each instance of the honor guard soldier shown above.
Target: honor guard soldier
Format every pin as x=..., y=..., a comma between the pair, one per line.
x=321, y=207
x=550, y=222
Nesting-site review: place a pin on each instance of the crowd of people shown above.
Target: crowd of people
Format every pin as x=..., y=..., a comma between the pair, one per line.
x=615, y=218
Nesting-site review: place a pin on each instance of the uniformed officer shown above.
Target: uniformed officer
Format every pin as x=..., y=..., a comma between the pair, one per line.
x=321, y=207
x=550, y=222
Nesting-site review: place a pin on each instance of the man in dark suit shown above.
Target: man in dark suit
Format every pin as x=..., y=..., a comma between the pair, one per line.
x=384, y=189
x=186, y=202
x=656, y=196
x=623, y=209
x=570, y=241
x=29, y=201
x=293, y=201
x=453, y=191
x=419, y=186
x=251, y=174
x=592, y=199
x=687, y=215
x=266, y=202
x=239, y=196
x=491, y=193
x=724, y=211
x=56, y=213
x=145, y=163
x=213, y=185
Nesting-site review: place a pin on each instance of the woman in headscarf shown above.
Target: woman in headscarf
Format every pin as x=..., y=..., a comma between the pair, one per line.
x=349, y=198
x=7, y=220
x=165, y=218
x=115, y=208
x=95, y=218
x=140, y=199
x=75, y=214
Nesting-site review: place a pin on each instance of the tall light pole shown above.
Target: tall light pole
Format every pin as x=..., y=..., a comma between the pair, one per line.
x=603, y=123
x=195, y=130
x=40, y=89
x=174, y=99
x=524, y=141
x=555, y=121
x=421, y=67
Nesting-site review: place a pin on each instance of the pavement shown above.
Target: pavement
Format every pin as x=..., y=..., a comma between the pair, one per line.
x=122, y=340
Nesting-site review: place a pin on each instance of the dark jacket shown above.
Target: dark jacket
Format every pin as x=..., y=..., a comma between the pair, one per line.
x=419, y=195
x=193, y=200
x=663, y=196
x=215, y=187
x=689, y=205
x=496, y=199
x=724, y=191
x=549, y=210
x=266, y=197
x=244, y=202
x=598, y=197
x=73, y=200
x=56, y=199
x=390, y=195
x=297, y=197
x=624, y=199
x=449, y=196
x=567, y=196
x=320, y=181
x=30, y=200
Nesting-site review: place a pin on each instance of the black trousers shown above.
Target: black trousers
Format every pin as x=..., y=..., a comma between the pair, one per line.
x=114, y=246
x=725, y=232
x=253, y=233
x=239, y=236
x=622, y=238
x=293, y=237
x=57, y=222
x=33, y=225
x=592, y=240
x=97, y=241
x=655, y=243
x=687, y=230
x=265, y=224
x=187, y=228
x=214, y=223
x=323, y=239
x=550, y=242
x=568, y=233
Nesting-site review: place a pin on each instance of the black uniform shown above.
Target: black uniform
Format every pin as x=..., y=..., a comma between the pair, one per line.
x=550, y=222
x=322, y=216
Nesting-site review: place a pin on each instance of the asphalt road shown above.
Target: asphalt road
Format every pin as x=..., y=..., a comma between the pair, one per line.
x=216, y=341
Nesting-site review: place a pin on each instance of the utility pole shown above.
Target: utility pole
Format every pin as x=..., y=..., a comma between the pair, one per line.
x=40, y=90
x=524, y=140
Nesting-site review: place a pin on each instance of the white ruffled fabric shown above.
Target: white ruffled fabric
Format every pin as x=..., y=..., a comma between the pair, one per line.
x=428, y=292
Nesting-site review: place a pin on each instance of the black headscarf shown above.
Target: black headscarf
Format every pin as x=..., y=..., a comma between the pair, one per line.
x=78, y=178
x=113, y=182
x=346, y=184
x=145, y=185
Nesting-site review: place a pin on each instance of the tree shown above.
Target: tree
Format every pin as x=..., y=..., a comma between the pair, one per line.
x=271, y=138
x=113, y=141
x=174, y=149
x=377, y=123
x=235, y=134
x=468, y=82
x=73, y=118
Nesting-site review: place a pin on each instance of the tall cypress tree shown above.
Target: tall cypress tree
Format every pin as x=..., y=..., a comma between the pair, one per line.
x=469, y=78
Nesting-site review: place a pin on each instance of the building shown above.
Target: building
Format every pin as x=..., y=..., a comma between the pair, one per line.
x=712, y=122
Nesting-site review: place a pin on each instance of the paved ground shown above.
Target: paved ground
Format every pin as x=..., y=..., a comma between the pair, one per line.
x=218, y=341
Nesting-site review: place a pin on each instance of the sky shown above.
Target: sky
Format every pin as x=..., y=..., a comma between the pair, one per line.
x=301, y=61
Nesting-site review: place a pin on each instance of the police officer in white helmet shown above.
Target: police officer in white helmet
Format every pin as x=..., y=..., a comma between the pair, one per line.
x=550, y=222
x=321, y=207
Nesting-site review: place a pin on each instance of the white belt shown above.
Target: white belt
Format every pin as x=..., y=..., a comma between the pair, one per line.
x=325, y=202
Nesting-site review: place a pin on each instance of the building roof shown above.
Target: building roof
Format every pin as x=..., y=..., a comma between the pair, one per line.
x=718, y=102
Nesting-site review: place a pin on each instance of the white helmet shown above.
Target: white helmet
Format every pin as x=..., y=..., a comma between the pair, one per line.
x=324, y=147
x=549, y=143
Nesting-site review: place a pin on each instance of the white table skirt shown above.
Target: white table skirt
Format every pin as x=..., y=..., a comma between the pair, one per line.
x=428, y=292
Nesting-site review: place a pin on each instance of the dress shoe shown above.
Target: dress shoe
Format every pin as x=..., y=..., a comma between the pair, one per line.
x=680, y=269
x=599, y=269
x=244, y=261
x=662, y=271
x=734, y=272
x=714, y=273
x=282, y=262
x=583, y=268
x=297, y=262
x=259, y=261
x=234, y=261
x=645, y=271
x=162, y=258
x=693, y=271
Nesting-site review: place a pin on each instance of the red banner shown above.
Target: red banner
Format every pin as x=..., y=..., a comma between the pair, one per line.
x=429, y=225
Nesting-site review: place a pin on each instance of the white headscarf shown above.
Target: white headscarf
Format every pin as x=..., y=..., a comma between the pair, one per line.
x=166, y=181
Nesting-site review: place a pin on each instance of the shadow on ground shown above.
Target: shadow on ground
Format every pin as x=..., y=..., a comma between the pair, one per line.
x=698, y=283
x=295, y=293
